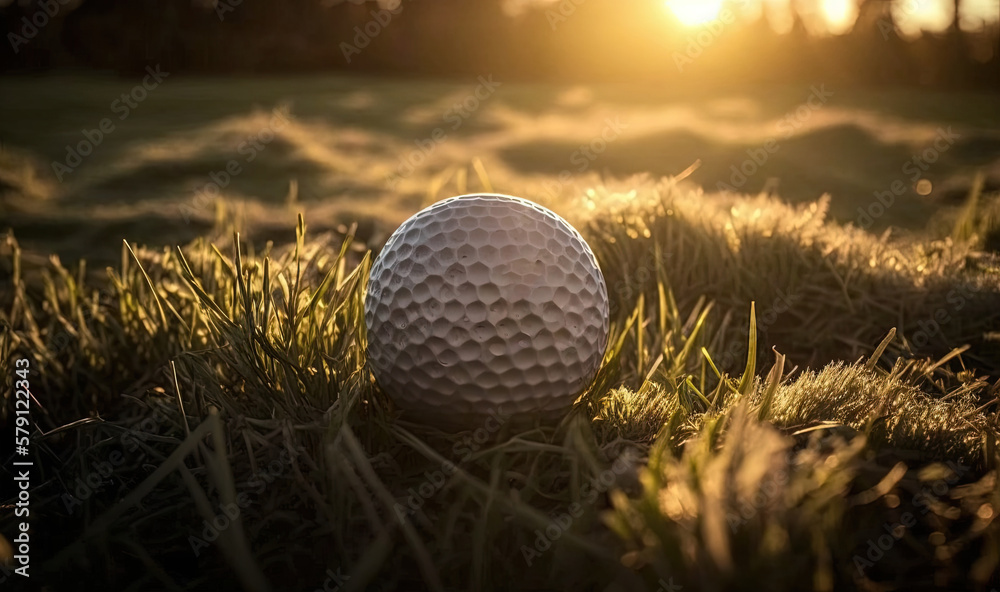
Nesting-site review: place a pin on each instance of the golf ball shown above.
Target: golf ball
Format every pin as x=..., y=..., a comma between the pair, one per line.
x=485, y=305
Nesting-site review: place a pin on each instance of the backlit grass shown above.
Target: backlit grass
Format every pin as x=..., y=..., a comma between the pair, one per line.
x=232, y=376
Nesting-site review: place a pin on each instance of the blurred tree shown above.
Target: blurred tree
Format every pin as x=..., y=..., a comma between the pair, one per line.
x=518, y=39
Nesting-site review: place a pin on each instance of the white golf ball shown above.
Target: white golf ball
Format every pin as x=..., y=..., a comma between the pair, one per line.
x=484, y=305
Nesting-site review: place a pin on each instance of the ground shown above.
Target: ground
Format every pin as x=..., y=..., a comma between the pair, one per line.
x=792, y=398
x=374, y=150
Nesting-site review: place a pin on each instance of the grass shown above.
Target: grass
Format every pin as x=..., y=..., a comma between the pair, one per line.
x=348, y=140
x=225, y=386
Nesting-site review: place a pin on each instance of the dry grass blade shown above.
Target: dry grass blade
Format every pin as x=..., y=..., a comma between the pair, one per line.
x=152, y=290
x=746, y=381
x=484, y=178
x=422, y=556
x=771, y=386
x=870, y=364
x=275, y=338
x=233, y=540
x=529, y=515
x=101, y=525
x=372, y=561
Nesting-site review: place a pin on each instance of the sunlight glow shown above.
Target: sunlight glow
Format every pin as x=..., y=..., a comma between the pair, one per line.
x=913, y=16
x=695, y=12
x=839, y=14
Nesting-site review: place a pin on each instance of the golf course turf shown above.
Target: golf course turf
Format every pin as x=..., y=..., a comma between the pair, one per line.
x=787, y=402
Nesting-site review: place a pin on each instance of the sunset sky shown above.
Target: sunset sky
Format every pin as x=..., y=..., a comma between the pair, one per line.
x=836, y=16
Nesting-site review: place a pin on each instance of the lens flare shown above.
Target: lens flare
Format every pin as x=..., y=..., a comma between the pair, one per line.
x=695, y=12
x=839, y=14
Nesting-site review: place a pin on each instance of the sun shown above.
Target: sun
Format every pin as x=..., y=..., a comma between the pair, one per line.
x=695, y=12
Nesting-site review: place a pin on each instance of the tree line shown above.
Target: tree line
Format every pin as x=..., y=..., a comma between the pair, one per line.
x=564, y=40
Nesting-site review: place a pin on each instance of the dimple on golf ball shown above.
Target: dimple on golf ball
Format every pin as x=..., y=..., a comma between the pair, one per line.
x=482, y=305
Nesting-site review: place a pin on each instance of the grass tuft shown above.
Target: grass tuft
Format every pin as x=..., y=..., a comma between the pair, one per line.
x=234, y=376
